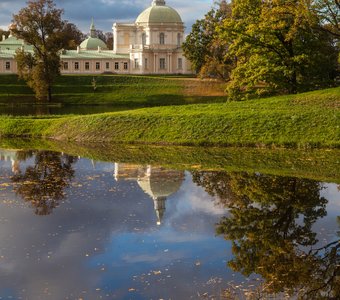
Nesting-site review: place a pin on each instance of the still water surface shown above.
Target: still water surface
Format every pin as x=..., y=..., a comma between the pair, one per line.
x=74, y=228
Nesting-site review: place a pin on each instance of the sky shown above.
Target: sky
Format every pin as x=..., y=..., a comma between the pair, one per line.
x=106, y=12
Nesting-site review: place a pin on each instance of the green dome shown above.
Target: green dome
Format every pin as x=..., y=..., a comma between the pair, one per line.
x=159, y=13
x=92, y=43
x=12, y=43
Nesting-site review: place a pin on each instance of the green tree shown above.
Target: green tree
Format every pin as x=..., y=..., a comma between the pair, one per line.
x=270, y=226
x=40, y=25
x=72, y=36
x=328, y=12
x=3, y=32
x=205, y=51
x=276, y=47
x=44, y=183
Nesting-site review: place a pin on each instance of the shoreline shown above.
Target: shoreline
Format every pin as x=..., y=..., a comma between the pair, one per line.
x=307, y=120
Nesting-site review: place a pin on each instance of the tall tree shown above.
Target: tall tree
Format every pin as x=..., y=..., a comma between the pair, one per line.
x=206, y=52
x=40, y=25
x=276, y=47
x=72, y=35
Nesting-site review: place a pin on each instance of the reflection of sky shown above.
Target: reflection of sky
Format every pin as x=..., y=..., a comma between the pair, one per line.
x=103, y=240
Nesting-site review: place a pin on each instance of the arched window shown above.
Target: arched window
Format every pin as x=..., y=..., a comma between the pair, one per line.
x=178, y=40
x=162, y=38
x=143, y=39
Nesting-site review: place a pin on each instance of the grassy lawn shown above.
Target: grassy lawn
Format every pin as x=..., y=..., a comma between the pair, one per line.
x=129, y=91
x=303, y=120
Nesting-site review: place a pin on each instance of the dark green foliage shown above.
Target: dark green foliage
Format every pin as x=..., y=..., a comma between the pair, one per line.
x=278, y=48
x=268, y=47
x=205, y=50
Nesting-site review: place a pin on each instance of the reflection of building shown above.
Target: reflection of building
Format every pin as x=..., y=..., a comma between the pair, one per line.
x=150, y=45
x=11, y=155
x=157, y=182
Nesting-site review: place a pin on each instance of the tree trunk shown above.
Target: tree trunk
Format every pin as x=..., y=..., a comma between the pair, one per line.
x=293, y=83
x=49, y=94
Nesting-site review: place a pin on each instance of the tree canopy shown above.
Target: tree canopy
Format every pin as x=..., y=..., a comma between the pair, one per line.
x=268, y=46
x=40, y=25
x=72, y=36
x=204, y=49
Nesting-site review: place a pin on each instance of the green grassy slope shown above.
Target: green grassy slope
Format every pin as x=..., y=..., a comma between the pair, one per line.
x=306, y=120
x=127, y=90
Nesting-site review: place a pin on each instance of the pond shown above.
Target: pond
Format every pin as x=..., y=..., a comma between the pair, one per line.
x=162, y=223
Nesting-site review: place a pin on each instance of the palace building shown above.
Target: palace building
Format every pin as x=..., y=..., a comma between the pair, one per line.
x=150, y=45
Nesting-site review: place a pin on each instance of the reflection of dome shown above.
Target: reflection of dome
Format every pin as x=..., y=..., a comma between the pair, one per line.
x=159, y=13
x=93, y=42
x=160, y=183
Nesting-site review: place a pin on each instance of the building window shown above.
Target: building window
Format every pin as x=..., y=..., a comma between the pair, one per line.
x=180, y=63
x=162, y=38
x=107, y=65
x=145, y=63
x=116, y=65
x=125, y=66
x=97, y=65
x=143, y=39
x=8, y=65
x=136, y=63
x=76, y=65
x=162, y=63
x=65, y=65
x=178, y=40
x=87, y=66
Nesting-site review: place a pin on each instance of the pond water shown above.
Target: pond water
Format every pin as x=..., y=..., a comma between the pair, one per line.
x=76, y=228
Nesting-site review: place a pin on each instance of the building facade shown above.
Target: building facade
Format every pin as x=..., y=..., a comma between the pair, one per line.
x=150, y=45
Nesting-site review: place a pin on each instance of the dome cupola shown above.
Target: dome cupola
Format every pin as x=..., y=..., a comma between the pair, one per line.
x=93, y=42
x=159, y=12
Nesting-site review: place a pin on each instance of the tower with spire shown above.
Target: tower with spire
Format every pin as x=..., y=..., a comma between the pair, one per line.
x=93, y=32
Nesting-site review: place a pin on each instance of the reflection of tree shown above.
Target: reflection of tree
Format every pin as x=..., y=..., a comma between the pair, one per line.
x=43, y=184
x=270, y=226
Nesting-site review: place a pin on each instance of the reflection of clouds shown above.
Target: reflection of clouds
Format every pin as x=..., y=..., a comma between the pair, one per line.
x=197, y=200
x=160, y=256
x=194, y=201
x=52, y=257
x=332, y=194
